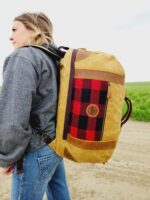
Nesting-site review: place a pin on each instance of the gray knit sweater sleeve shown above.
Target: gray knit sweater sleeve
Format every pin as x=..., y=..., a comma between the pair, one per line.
x=19, y=86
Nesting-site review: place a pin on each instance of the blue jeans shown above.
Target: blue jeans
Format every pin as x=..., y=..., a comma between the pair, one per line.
x=43, y=172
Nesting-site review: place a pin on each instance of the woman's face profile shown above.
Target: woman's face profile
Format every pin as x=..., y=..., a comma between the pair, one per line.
x=20, y=36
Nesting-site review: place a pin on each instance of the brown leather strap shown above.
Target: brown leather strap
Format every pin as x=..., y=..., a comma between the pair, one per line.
x=99, y=75
x=72, y=67
x=93, y=145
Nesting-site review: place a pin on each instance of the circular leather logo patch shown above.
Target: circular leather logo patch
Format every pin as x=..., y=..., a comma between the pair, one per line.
x=92, y=110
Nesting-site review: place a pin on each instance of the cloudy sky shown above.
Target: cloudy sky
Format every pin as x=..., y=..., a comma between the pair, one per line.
x=119, y=27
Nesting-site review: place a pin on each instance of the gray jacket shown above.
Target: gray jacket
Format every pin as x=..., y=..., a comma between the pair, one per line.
x=29, y=89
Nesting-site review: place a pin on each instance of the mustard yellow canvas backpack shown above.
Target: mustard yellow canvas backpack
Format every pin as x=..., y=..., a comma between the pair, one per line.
x=91, y=96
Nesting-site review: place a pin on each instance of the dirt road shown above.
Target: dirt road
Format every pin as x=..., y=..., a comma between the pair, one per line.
x=125, y=177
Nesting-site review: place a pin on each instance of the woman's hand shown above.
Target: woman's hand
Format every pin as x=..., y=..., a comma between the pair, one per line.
x=6, y=171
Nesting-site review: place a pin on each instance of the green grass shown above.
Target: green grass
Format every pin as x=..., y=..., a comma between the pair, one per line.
x=139, y=94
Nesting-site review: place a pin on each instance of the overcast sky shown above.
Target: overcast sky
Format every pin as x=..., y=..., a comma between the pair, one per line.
x=119, y=27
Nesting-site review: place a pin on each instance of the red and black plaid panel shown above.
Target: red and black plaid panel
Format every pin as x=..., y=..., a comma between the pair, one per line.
x=88, y=107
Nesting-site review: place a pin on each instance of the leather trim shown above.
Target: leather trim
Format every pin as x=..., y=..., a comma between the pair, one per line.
x=99, y=75
x=93, y=145
x=82, y=54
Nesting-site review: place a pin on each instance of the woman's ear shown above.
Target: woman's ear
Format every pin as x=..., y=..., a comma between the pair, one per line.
x=34, y=37
x=38, y=35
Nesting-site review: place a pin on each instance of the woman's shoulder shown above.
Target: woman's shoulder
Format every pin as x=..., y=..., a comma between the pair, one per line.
x=25, y=52
x=28, y=53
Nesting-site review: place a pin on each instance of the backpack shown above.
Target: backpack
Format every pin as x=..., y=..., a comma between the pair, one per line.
x=91, y=97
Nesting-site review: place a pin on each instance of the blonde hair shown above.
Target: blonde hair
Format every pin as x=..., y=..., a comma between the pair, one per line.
x=41, y=26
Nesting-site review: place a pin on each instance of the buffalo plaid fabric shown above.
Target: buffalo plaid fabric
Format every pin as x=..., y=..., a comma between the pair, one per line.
x=84, y=93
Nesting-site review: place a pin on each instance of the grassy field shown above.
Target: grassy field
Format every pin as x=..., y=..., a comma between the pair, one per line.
x=139, y=94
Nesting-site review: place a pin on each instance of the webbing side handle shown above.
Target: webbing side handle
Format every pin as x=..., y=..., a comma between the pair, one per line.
x=128, y=112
